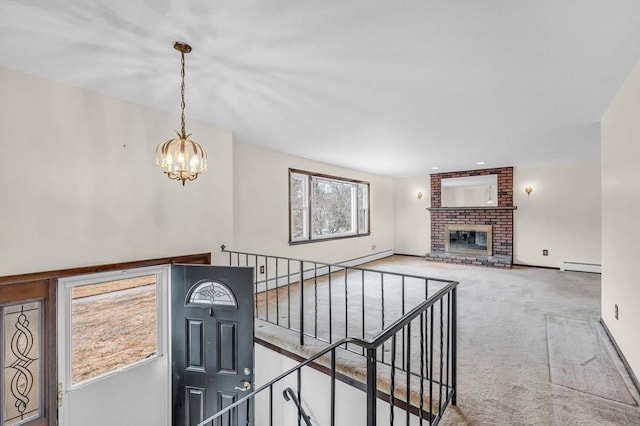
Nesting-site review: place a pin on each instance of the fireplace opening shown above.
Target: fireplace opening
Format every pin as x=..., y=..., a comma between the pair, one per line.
x=468, y=239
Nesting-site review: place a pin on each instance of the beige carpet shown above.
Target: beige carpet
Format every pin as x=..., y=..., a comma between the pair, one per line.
x=579, y=360
x=531, y=350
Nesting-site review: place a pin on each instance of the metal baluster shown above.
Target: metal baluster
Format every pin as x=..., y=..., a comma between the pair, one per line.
x=363, y=322
x=403, y=330
x=426, y=288
x=266, y=285
x=346, y=307
x=408, y=364
x=372, y=386
x=422, y=327
x=441, y=361
x=333, y=387
x=277, y=295
x=446, y=385
x=431, y=365
x=289, y=294
x=382, y=304
x=392, y=386
x=330, y=309
x=454, y=346
x=271, y=405
x=299, y=397
x=315, y=299
x=301, y=308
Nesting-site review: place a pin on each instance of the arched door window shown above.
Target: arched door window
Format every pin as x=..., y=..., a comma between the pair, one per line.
x=211, y=294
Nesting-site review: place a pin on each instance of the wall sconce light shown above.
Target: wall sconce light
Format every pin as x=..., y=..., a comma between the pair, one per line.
x=528, y=190
x=420, y=194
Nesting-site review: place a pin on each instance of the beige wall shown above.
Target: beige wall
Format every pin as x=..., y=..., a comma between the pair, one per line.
x=261, y=207
x=78, y=183
x=621, y=217
x=562, y=214
x=412, y=219
x=67, y=204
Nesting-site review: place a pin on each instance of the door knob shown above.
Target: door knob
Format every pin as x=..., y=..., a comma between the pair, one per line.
x=246, y=385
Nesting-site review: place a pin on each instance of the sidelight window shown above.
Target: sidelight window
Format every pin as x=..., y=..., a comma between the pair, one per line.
x=21, y=372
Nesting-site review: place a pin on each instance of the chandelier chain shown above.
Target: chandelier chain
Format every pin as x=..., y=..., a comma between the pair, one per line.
x=182, y=104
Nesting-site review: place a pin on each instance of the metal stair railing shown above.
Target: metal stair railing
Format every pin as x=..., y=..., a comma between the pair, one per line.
x=278, y=278
x=435, y=377
x=289, y=395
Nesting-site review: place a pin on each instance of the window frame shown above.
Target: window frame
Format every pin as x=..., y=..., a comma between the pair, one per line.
x=307, y=208
x=66, y=285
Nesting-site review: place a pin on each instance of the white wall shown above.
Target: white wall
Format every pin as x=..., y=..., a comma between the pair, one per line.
x=85, y=191
x=412, y=219
x=562, y=214
x=261, y=223
x=621, y=217
x=78, y=183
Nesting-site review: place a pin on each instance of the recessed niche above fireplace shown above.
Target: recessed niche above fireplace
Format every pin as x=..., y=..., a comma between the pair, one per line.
x=470, y=191
x=468, y=239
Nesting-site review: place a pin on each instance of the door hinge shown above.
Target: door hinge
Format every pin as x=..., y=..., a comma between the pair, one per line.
x=59, y=394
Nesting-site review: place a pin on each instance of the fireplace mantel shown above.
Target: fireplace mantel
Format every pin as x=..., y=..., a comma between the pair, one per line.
x=438, y=209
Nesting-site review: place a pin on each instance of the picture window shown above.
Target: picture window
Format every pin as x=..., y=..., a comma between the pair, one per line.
x=326, y=207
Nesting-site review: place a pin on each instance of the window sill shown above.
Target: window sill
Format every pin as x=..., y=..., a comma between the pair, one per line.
x=319, y=240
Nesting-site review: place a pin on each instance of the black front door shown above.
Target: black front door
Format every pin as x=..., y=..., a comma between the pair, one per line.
x=211, y=342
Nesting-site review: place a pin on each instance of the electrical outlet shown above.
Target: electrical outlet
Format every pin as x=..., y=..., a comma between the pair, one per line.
x=545, y=252
x=373, y=247
x=615, y=307
x=262, y=269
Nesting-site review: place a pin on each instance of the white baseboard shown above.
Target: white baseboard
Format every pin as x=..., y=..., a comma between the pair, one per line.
x=283, y=280
x=581, y=267
x=368, y=258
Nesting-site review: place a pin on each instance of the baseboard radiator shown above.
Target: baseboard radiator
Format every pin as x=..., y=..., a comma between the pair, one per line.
x=581, y=267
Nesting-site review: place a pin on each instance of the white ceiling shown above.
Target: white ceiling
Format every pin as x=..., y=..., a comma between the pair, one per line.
x=391, y=87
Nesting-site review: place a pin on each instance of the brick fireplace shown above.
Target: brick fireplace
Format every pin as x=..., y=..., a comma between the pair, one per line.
x=499, y=217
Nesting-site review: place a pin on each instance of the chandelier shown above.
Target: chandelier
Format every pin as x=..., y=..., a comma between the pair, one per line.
x=181, y=158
